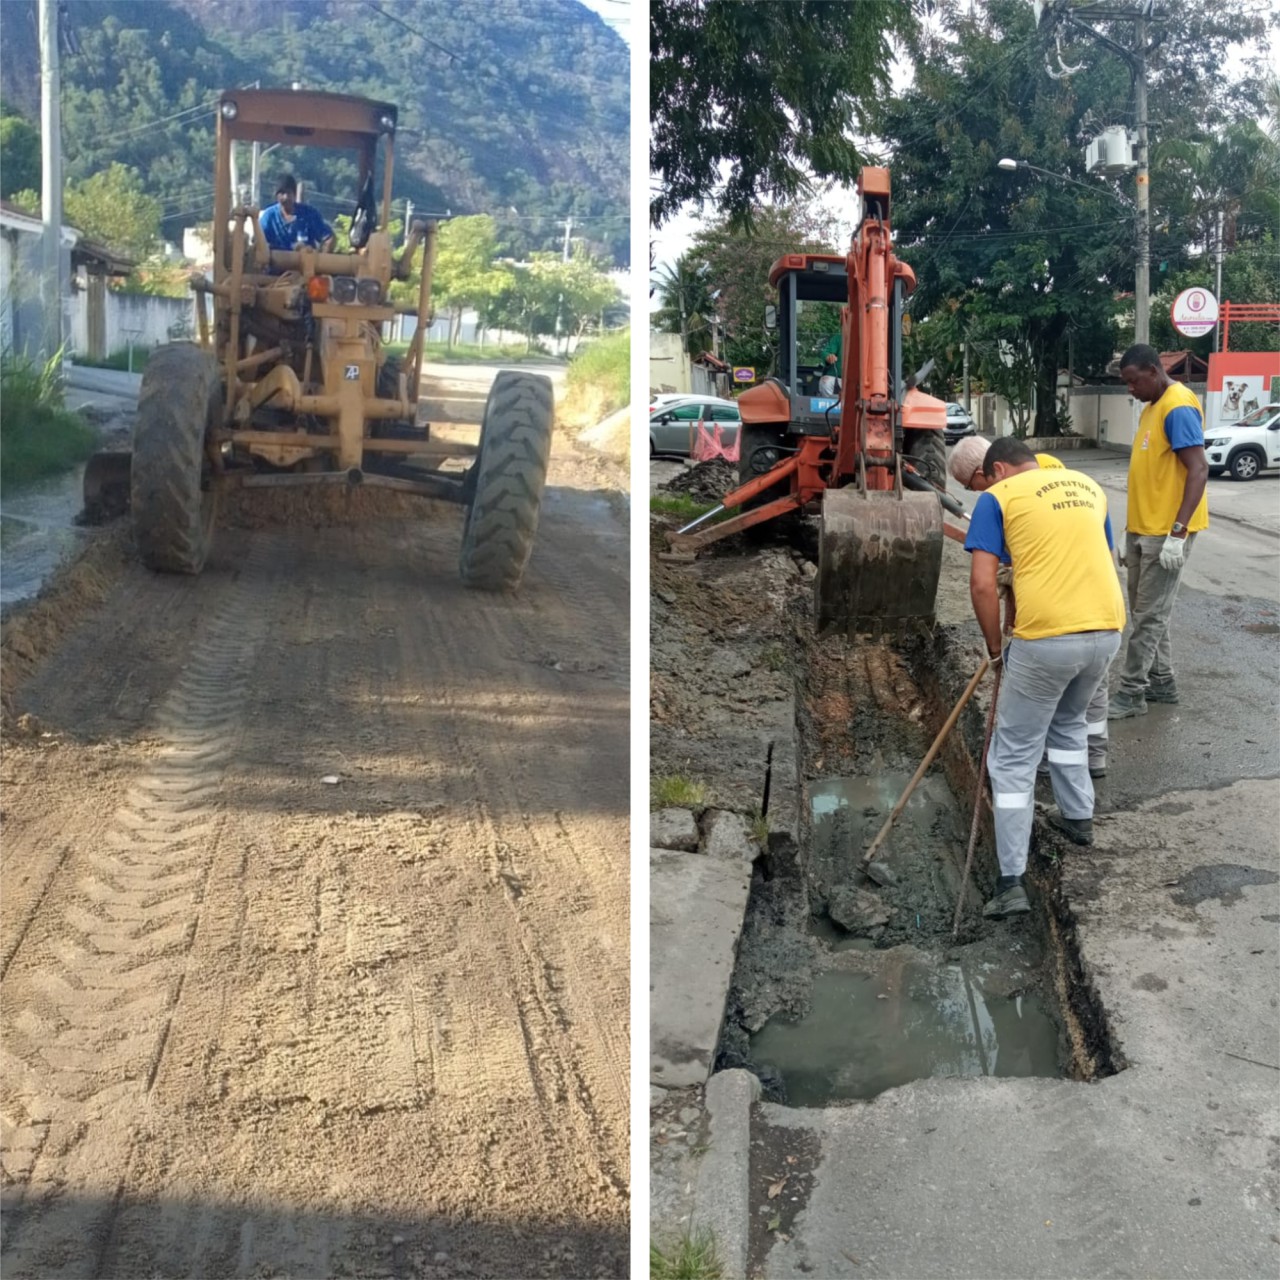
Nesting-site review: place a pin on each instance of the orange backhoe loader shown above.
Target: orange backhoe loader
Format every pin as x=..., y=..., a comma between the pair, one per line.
x=871, y=448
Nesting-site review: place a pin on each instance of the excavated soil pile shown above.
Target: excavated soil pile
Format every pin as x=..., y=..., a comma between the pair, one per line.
x=706, y=482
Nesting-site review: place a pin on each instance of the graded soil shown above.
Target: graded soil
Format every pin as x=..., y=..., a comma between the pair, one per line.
x=315, y=907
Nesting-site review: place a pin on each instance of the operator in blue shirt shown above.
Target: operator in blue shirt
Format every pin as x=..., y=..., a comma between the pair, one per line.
x=287, y=224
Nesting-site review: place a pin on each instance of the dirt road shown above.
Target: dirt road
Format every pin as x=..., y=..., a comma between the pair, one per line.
x=315, y=936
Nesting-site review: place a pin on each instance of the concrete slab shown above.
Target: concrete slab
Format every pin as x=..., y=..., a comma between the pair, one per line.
x=723, y=1177
x=727, y=836
x=1167, y=1169
x=673, y=829
x=696, y=906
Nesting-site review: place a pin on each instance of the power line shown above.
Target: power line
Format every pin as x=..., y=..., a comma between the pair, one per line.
x=453, y=57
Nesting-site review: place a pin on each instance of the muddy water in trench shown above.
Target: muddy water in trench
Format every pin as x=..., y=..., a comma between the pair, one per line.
x=894, y=1000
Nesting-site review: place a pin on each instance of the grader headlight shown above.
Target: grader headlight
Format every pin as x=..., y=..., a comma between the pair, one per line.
x=344, y=289
x=368, y=292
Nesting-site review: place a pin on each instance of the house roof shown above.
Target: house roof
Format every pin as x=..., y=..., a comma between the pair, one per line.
x=98, y=259
x=1184, y=366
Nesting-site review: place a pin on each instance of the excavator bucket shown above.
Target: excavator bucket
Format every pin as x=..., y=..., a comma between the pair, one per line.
x=106, y=485
x=879, y=561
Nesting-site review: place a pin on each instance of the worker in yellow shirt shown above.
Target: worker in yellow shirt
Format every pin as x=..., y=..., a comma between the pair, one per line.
x=1167, y=508
x=965, y=464
x=1052, y=527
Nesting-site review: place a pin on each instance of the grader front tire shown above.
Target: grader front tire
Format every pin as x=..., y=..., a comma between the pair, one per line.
x=510, y=475
x=173, y=499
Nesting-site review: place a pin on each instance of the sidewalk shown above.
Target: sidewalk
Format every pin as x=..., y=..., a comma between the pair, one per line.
x=1167, y=1169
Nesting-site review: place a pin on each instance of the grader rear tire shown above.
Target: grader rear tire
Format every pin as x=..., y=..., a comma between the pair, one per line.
x=928, y=450
x=509, y=475
x=173, y=498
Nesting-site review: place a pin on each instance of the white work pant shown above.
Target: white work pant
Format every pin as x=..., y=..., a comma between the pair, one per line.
x=1044, y=697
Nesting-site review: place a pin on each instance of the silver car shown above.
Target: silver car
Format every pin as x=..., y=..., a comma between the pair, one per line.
x=672, y=424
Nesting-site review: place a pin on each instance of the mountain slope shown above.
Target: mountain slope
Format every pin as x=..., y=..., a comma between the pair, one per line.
x=507, y=107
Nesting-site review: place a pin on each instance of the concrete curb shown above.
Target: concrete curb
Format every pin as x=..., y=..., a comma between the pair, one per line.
x=722, y=1196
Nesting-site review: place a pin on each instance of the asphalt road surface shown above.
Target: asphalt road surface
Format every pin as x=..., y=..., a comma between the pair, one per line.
x=315, y=911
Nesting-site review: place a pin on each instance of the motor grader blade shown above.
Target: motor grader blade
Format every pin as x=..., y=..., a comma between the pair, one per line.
x=879, y=561
x=106, y=484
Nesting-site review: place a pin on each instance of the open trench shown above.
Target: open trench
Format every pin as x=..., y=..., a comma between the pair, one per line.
x=843, y=988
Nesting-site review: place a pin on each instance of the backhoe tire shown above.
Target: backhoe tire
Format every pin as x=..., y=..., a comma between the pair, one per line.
x=928, y=451
x=506, y=481
x=172, y=494
x=749, y=440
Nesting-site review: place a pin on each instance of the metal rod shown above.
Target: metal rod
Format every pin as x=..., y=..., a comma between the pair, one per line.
x=928, y=760
x=702, y=519
x=977, y=805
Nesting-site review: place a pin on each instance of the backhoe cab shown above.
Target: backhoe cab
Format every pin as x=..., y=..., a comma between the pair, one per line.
x=289, y=383
x=871, y=446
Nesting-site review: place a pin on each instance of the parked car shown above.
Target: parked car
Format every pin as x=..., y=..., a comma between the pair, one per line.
x=959, y=423
x=1243, y=449
x=671, y=423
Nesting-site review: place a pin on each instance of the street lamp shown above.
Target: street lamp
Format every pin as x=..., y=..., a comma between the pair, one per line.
x=1009, y=166
x=1142, y=302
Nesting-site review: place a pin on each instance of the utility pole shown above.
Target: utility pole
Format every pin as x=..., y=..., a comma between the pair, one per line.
x=966, y=375
x=1136, y=58
x=568, y=227
x=1217, y=288
x=1142, y=277
x=51, y=281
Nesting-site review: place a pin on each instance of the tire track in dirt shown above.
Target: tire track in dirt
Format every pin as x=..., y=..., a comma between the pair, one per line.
x=89, y=997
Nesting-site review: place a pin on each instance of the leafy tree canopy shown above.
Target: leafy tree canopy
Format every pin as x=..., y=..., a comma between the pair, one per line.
x=20, y=166
x=1019, y=263
x=771, y=93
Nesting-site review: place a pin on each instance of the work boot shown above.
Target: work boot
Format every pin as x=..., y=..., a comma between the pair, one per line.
x=1098, y=765
x=1010, y=899
x=1161, y=691
x=1123, y=705
x=1077, y=830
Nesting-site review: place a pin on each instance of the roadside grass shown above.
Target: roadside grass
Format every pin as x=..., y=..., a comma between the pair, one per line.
x=38, y=435
x=681, y=504
x=469, y=352
x=118, y=360
x=692, y=1258
x=676, y=791
x=774, y=657
x=760, y=830
x=601, y=370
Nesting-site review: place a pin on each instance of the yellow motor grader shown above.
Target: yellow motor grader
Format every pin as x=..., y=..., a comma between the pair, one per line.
x=289, y=383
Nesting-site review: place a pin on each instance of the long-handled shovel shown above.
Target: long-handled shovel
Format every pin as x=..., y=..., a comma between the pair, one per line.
x=878, y=871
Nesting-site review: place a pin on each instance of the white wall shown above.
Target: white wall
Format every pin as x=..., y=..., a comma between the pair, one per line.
x=668, y=365
x=139, y=318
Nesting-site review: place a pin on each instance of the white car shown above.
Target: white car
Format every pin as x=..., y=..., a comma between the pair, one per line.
x=1243, y=449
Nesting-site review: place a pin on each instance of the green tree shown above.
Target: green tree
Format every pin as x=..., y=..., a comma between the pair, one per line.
x=113, y=208
x=1024, y=264
x=749, y=98
x=687, y=307
x=737, y=262
x=464, y=276
x=20, y=166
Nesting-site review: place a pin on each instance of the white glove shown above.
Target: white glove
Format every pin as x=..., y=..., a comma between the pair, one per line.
x=1173, y=553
